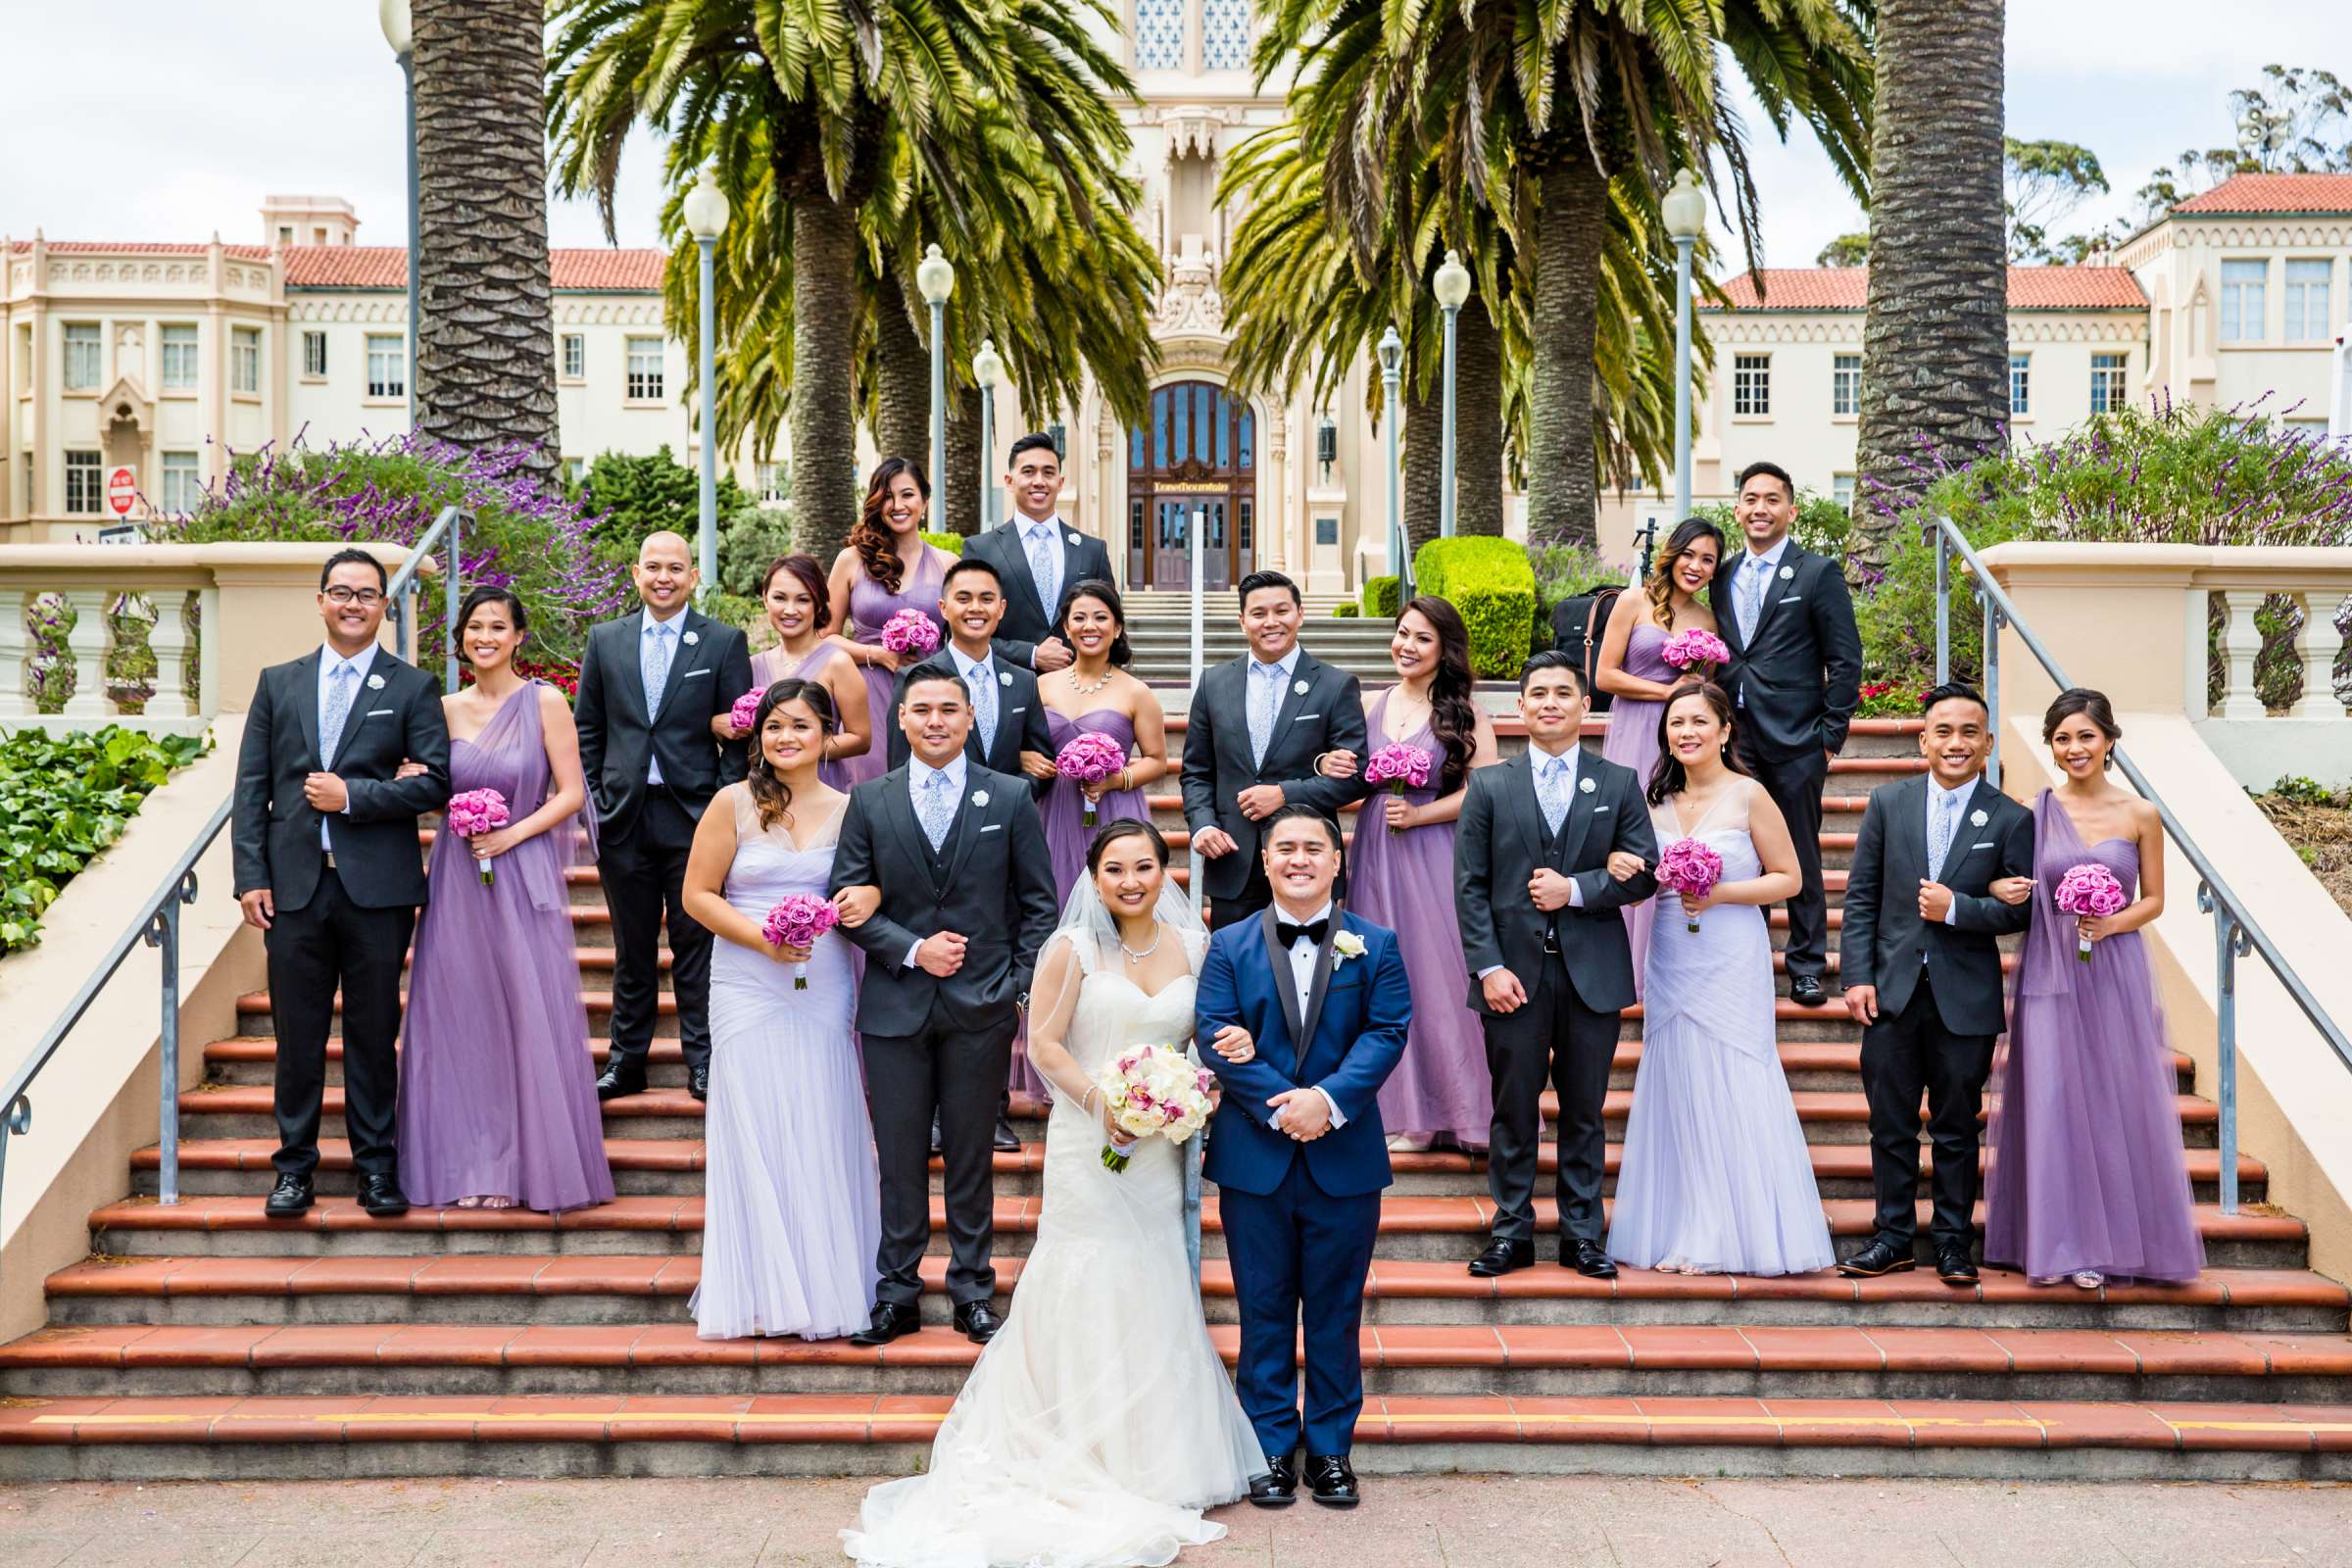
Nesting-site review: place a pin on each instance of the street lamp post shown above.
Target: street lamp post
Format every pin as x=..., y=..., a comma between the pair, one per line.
x=988, y=366
x=705, y=220
x=1685, y=220
x=393, y=16
x=1452, y=285
x=936, y=278
x=1391, y=365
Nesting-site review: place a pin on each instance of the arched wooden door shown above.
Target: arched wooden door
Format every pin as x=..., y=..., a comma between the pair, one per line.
x=1197, y=453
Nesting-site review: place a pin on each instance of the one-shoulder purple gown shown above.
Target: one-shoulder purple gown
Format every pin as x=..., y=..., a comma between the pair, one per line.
x=772, y=665
x=497, y=1090
x=871, y=607
x=2085, y=1170
x=1633, y=742
x=1405, y=881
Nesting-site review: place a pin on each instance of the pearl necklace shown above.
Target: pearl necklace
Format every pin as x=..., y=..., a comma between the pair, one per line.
x=1088, y=691
x=1160, y=935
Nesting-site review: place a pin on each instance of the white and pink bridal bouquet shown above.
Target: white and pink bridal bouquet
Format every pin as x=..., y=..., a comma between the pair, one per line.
x=746, y=712
x=1694, y=645
x=2090, y=890
x=911, y=631
x=1691, y=868
x=797, y=921
x=475, y=813
x=1154, y=1090
x=1088, y=758
x=1401, y=767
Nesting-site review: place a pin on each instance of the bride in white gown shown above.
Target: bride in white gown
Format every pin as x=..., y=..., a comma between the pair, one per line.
x=1100, y=1422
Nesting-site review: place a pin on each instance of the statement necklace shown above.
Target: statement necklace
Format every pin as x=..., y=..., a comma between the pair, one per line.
x=1088, y=691
x=1133, y=956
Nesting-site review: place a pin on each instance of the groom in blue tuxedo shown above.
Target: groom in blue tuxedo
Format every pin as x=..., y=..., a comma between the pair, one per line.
x=1296, y=1149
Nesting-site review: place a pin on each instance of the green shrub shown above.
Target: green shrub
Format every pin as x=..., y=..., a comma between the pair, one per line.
x=64, y=798
x=1350, y=612
x=1563, y=571
x=629, y=497
x=1383, y=597
x=1491, y=582
x=951, y=543
x=747, y=540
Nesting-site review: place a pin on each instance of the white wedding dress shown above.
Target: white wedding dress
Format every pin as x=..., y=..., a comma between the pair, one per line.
x=1100, y=1422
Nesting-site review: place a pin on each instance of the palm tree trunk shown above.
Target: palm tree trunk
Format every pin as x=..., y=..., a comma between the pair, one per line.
x=1477, y=423
x=1562, y=498
x=960, y=477
x=485, y=339
x=902, y=361
x=824, y=419
x=1936, y=331
x=1424, y=462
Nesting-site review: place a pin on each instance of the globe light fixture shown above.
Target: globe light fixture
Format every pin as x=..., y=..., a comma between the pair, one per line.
x=1686, y=210
x=706, y=213
x=393, y=16
x=1451, y=286
x=935, y=278
x=988, y=368
x=1392, y=368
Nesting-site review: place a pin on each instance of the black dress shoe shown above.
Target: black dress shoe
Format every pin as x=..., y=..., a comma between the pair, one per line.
x=1008, y=1141
x=1501, y=1256
x=1333, y=1481
x=289, y=1197
x=381, y=1196
x=977, y=1321
x=620, y=1078
x=1588, y=1258
x=1881, y=1257
x=891, y=1322
x=1278, y=1488
x=697, y=1081
x=1806, y=992
x=1954, y=1265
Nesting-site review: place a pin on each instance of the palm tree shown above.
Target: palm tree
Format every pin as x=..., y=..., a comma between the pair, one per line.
x=1936, y=330
x=485, y=330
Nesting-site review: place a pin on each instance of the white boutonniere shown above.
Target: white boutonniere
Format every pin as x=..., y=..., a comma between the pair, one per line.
x=1977, y=818
x=1347, y=945
x=1003, y=677
x=1074, y=539
x=1788, y=574
x=375, y=683
x=1584, y=785
x=1299, y=687
x=979, y=797
x=691, y=638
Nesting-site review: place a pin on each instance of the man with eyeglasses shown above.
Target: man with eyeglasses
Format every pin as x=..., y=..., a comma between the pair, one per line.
x=323, y=836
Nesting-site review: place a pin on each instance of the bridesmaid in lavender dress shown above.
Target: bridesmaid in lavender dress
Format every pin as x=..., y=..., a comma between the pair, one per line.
x=1400, y=868
x=497, y=1091
x=793, y=595
x=1093, y=694
x=1632, y=666
x=886, y=568
x=2084, y=1174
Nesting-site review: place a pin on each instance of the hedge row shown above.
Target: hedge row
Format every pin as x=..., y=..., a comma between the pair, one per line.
x=1489, y=581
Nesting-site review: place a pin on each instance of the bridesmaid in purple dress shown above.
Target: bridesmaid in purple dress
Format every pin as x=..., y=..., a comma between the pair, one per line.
x=885, y=568
x=1401, y=875
x=2084, y=1176
x=497, y=1091
x=1093, y=694
x=795, y=598
x=1632, y=666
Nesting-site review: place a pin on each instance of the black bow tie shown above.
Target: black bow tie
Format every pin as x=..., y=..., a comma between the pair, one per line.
x=1314, y=931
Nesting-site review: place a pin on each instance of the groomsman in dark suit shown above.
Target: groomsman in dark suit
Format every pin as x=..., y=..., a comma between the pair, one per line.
x=1036, y=556
x=1922, y=966
x=1552, y=846
x=323, y=836
x=1009, y=721
x=650, y=686
x=1258, y=726
x=1797, y=674
x=966, y=900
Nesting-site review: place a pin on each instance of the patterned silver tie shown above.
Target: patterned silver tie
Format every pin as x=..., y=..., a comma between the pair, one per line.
x=338, y=709
x=1265, y=696
x=984, y=706
x=654, y=666
x=936, y=808
x=1551, y=793
x=1939, y=843
x=1045, y=565
x=1751, y=596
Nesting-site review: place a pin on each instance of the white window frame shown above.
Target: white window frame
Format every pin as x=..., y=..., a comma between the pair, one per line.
x=2245, y=299
x=314, y=359
x=182, y=481
x=1841, y=490
x=572, y=356
x=2020, y=386
x=2110, y=388
x=245, y=361
x=183, y=356
x=1845, y=385
x=387, y=367
x=85, y=483
x=1751, y=386
x=642, y=384
x=2310, y=300
x=85, y=355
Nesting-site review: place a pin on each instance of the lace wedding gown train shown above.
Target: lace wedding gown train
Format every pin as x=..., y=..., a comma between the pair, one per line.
x=1100, y=1422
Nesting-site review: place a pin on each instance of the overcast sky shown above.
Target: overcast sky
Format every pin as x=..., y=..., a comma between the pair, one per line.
x=167, y=119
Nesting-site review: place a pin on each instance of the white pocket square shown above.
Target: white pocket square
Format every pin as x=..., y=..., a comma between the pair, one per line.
x=1602, y=811
x=994, y=827
x=1794, y=598
x=1305, y=715
x=381, y=712
x=692, y=673
x=1986, y=845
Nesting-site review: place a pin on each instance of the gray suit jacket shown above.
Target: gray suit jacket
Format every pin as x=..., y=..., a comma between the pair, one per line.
x=618, y=738
x=1026, y=621
x=1322, y=711
x=1021, y=724
x=1884, y=941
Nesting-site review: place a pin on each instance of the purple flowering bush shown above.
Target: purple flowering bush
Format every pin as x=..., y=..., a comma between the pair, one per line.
x=524, y=533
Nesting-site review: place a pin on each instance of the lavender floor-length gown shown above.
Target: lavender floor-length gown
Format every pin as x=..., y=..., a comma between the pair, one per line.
x=497, y=1089
x=1633, y=742
x=2085, y=1168
x=772, y=665
x=1405, y=881
x=871, y=607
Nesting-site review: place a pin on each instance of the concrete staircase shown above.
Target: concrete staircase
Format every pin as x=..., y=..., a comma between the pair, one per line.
x=1159, y=628
x=204, y=1341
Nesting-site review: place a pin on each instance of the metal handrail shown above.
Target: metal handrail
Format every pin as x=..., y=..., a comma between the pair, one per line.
x=157, y=924
x=2236, y=931
x=402, y=592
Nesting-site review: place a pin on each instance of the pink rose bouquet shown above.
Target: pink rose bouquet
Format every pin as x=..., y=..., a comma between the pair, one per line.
x=1089, y=757
x=2091, y=891
x=1691, y=868
x=911, y=631
x=1401, y=767
x=1694, y=646
x=475, y=813
x=1154, y=1090
x=746, y=712
x=798, y=921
